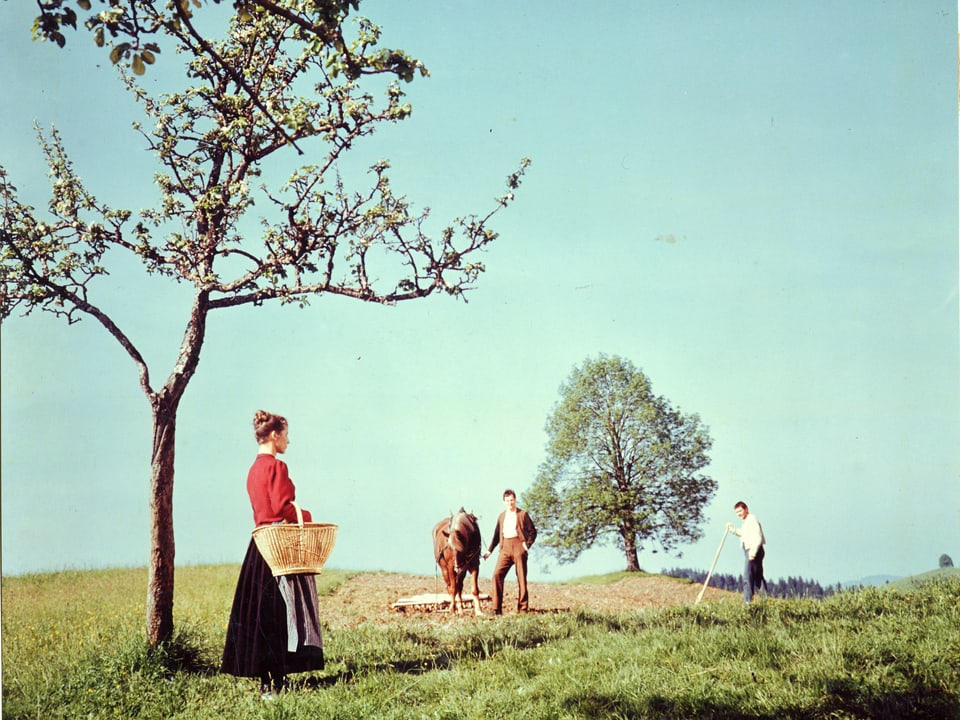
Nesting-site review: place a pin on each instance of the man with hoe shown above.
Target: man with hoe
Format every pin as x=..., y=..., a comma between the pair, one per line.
x=752, y=541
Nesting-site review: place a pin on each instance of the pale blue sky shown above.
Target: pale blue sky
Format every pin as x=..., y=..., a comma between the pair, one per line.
x=755, y=203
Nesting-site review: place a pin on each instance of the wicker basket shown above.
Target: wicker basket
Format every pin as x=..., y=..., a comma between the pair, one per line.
x=299, y=549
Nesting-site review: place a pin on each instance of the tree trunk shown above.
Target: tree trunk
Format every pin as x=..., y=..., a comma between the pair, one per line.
x=165, y=405
x=160, y=581
x=630, y=550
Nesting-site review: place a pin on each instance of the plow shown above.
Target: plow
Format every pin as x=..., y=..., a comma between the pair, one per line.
x=428, y=602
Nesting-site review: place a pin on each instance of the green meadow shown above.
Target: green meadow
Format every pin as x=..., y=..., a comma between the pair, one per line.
x=73, y=648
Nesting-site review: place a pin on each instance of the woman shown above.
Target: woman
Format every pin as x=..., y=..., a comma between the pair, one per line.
x=274, y=628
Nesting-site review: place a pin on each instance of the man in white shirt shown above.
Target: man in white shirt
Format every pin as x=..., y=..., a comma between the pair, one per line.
x=752, y=541
x=515, y=533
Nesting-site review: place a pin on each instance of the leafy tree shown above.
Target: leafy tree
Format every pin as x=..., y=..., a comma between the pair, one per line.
x=242, y=104
x=621, y=464
x=946, y=561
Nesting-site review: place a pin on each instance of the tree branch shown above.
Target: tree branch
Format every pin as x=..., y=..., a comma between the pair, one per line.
x=237, y=77
x=77, y=302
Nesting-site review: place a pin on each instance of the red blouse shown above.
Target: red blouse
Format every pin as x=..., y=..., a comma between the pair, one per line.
x=271, y=490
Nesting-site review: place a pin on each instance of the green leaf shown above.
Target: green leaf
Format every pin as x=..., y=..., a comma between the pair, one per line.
x=83, y=4
x=138, y=68
x=118, y=52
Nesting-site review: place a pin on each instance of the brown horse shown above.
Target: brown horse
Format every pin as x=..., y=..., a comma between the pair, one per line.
x=456, y=546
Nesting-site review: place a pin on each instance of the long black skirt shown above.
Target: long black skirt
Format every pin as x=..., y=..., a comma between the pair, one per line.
x=262, y=623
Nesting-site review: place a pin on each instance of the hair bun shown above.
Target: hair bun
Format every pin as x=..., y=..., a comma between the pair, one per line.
x=265, y=423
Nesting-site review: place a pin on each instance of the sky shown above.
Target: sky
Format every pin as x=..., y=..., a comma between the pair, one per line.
x=754, y=203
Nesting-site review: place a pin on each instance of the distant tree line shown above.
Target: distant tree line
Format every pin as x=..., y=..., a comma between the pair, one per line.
x=791, y=587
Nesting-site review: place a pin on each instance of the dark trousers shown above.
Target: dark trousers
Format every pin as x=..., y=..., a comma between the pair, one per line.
x=752, y=574
x=511, y=554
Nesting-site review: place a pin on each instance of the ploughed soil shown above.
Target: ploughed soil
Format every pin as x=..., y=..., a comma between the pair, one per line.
x=369, y=597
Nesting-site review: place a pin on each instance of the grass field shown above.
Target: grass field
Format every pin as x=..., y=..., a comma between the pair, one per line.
x=73, y=648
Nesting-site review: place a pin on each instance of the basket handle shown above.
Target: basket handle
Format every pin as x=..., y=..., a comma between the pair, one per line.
x=299, y=513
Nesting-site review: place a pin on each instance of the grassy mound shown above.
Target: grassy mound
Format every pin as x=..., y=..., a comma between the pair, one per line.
x=73, y=648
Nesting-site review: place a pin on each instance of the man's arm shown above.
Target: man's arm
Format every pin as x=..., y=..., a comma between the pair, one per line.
x=529, y=530
x=495, y=540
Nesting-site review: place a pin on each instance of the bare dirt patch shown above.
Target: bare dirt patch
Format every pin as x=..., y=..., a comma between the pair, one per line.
x=368, y=597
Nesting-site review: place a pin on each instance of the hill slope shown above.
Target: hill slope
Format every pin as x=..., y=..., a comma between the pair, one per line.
x=915, y=581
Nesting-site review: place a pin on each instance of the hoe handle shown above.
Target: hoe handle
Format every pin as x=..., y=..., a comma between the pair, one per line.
x=715, y=558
